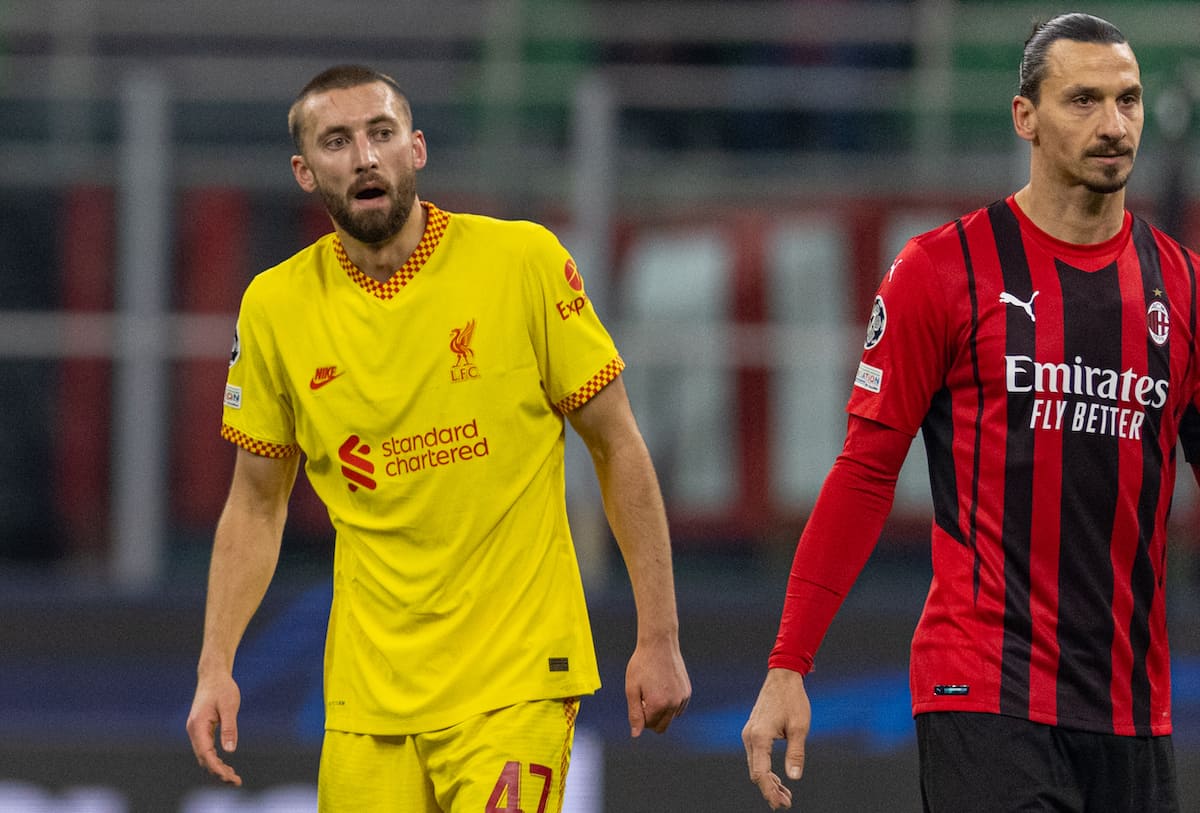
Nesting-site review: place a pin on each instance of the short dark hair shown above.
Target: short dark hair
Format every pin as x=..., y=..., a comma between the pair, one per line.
x=340, y=77
x=1075, y=26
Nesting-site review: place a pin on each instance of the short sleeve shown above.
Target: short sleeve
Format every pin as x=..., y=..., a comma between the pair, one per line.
x=576, y=355
x=257, y=410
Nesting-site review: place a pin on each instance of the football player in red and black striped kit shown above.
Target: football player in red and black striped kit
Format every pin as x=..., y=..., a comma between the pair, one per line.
x=1046, y=347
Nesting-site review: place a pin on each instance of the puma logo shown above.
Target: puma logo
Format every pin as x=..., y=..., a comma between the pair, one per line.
x=1009, y=299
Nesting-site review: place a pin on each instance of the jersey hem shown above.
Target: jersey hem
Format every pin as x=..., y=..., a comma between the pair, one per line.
x=1090, y=726
x=397, y=725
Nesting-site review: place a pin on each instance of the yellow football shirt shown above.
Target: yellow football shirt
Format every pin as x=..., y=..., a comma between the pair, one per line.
x=430, y=411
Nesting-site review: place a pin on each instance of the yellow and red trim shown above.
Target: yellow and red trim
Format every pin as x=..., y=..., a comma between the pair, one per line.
x=435, y=226
x=596, y=383
x=261, y=448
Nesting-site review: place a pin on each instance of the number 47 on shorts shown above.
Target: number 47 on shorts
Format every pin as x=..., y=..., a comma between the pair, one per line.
x=508, y=789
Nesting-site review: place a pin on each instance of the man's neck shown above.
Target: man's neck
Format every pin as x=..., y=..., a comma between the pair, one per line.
x=380, y=261
x=1077, y=216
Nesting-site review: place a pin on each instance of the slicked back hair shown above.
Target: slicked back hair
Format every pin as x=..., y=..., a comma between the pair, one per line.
x=1076, y=26
x=340, y=77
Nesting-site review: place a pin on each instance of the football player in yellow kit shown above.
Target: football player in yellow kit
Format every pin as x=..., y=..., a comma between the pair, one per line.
x=423, y=362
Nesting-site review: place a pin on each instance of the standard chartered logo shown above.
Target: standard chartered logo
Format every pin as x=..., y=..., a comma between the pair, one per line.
x=1101, y=401
x=433, y=448
x=356, y=466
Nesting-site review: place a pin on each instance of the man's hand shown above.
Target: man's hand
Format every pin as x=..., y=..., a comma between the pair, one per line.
x=782, y=712
x=215, y=707
x=657, y=687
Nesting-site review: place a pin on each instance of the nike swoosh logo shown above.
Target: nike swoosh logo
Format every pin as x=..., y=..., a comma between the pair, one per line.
x=316, y=384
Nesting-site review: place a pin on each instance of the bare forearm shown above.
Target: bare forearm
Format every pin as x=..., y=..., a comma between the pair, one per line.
x=657, y=687
x=245, y=553
x=634, y=507
x=243, y=562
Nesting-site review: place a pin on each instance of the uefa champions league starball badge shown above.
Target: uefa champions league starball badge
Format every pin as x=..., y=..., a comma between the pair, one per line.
x=876, y=324
x=236, y=352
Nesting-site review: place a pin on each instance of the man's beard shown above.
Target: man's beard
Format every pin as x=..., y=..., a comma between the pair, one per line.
x=375, y=226
x=1109, y=187
x=1112, y=181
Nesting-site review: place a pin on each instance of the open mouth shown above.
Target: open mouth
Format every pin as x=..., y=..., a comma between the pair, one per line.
x=370, y=193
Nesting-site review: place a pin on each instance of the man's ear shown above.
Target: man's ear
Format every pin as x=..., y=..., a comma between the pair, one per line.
x=420, y=150
x=303, y=174
x=1024, y=115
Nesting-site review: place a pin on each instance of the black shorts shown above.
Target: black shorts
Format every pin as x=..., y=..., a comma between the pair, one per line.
x=989, y=763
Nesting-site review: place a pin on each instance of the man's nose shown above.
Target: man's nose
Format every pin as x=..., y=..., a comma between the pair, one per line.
x=365, y=155
x=1112, y=123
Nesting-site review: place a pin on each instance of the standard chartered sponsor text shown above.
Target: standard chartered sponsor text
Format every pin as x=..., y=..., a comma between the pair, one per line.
x=438, y=446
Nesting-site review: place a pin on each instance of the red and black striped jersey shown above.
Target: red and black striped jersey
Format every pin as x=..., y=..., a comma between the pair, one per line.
x=1049, y=381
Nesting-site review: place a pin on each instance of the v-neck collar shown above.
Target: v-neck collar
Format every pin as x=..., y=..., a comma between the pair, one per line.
x=435, y=226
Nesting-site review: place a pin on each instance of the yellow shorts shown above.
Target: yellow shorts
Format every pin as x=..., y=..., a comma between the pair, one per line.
x=515, y=758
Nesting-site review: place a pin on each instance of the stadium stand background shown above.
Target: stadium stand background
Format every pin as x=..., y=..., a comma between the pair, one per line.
x=733, y=177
